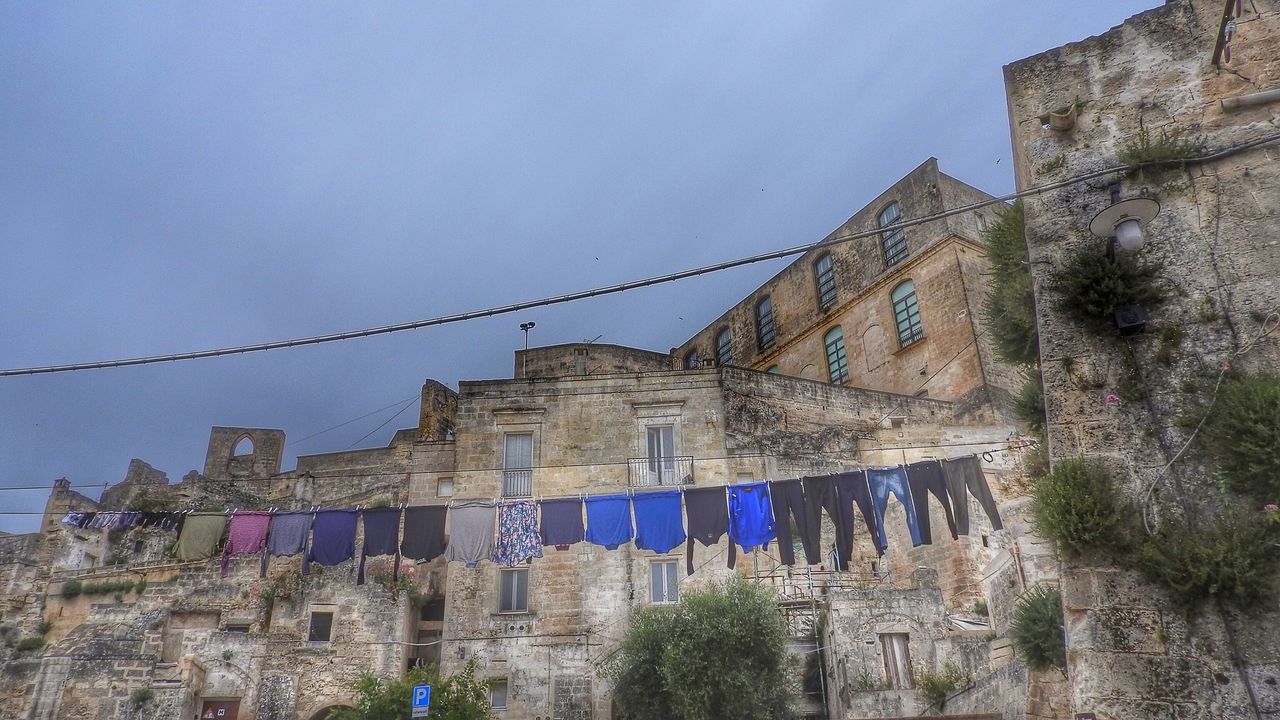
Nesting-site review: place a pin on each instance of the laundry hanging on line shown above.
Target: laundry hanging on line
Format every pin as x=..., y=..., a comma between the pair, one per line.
x=513, y=532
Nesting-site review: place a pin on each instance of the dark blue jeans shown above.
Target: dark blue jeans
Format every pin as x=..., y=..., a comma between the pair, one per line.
x=891, y=480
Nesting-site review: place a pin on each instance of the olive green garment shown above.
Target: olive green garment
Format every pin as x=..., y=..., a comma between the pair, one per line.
x=200, y=536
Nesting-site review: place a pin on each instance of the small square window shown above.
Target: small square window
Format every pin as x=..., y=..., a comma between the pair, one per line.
x=498, y=694
x=444, y=487
x=664, y=582
x=513, y=591
x=321, y=627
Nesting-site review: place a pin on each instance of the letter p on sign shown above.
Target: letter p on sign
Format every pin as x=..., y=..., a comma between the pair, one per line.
x=421, y=701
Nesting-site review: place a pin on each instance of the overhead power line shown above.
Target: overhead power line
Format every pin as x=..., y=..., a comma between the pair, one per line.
x=621, y=287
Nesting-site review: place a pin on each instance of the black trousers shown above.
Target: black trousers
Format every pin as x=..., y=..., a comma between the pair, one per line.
x=851, y=487
x=706, y=512
x=923, y=478
x=787, y=498
x=966, y=474
x=819, y=495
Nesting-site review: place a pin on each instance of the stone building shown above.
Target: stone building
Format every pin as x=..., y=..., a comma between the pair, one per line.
x=1208, y=72
x=897, y=311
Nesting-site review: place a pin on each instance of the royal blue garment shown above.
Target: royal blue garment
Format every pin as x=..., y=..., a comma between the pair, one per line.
x=333, y=537
x=609, y=520
x=751, y=516
x=659, y=526
x=883, y=481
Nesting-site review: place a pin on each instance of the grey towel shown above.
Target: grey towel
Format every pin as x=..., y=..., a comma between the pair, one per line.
x=288, y=536
x=470, y=532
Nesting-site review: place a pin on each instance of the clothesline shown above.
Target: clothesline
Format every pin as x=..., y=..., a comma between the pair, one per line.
x=752, y=515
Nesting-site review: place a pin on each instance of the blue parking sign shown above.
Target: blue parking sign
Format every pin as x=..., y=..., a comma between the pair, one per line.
x=421, y=701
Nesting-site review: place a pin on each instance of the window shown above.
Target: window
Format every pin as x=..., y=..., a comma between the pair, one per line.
x=517, y=461
x=764, y=323
x=432, y=610
x=321, y=626
x=837, y=363
x=824, y=272
x=897, y=660
x=243, y=448
x=906, y=313
x=724, y=347
x=444, y=487
x=498, y=694
x=237, y=628
x=660, y=454
x=691, y=360
x=664, y=582
x=892, y=242
x=773, y=370
x=513, y=590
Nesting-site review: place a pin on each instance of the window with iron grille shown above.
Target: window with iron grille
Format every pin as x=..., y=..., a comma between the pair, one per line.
x=837, y=362
x=517, y=464
x=724, y=347
x=764, y=323
x=892, y=242
x=906, y=312
x=824, y=272
x=691, y=360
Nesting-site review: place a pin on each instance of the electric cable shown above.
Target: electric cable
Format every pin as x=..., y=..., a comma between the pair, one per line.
x=631, y=285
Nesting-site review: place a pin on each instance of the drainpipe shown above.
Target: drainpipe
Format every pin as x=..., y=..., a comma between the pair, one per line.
x=1241, y=102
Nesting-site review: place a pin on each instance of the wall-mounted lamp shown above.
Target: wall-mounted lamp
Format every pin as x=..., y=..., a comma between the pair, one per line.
x=1124, y=222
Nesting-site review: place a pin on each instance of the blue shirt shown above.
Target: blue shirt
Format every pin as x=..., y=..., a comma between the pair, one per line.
x=751, y=515
x=609, y=520
x=659, y=526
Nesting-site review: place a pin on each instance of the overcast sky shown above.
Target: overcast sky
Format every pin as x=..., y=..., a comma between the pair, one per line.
x=179, y=176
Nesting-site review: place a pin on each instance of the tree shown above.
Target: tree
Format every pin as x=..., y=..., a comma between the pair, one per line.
x=1009, y=308
x=458, y=697
x=721, y=653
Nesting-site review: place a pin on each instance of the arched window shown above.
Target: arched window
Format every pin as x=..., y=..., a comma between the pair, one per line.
x=892, y=242
x=244, y=446
x=824, y=273
x=764, y=323
x=906, y=313
x=691, y=360
x=837, y=362
x=724, y=347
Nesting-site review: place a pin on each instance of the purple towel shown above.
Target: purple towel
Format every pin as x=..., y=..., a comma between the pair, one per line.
x=248, y=534
x=381, y=537
x=333, y=538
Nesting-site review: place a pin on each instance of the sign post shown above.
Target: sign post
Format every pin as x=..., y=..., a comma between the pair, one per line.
x=421, y=701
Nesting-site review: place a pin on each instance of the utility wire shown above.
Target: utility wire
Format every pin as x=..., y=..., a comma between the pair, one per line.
x=632, y=285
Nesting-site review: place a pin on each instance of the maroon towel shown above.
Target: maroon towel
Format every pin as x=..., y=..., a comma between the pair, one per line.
x=248, y=534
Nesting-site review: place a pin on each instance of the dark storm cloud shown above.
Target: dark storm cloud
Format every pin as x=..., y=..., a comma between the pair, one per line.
x=182, y=176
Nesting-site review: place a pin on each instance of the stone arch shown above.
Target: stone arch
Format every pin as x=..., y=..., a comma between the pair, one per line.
x=323, y=713
x=809, y=372
x=873, y=347
x=243, y=446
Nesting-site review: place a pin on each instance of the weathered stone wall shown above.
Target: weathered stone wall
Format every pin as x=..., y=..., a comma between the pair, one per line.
x=1131, y=654
x=220, y=462
x=557, y=361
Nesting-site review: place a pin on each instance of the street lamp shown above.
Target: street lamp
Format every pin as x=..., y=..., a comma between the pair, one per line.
x=1123, y=223
x=526, y=327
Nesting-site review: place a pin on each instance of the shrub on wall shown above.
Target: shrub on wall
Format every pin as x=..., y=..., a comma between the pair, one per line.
x=1036, y=628
x=936, y=686
x=1028, y=404
x=1093, y=282
x=1009, y=307
x=1242, y=433
x=1232, y=559
x=1078, y=505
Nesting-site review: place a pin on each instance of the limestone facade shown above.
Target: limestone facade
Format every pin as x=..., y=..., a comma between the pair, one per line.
x=945, y=355
x=1132, y=655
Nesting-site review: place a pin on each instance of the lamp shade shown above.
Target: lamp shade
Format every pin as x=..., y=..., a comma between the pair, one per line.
x=1127, y=217
x=1129, y=234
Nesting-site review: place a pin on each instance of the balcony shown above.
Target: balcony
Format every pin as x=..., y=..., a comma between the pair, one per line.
x=517, y=483
x=659, y=471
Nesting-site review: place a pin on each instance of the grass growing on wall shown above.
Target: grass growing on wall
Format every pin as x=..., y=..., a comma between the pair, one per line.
x=1093, y=282
x=1242, y=434
x=1036, y=628
x=1232, y=559
x=1028, y=404
x=1078, y=506
x=1009, y=307
x=936, y=686
x=1171, y=146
